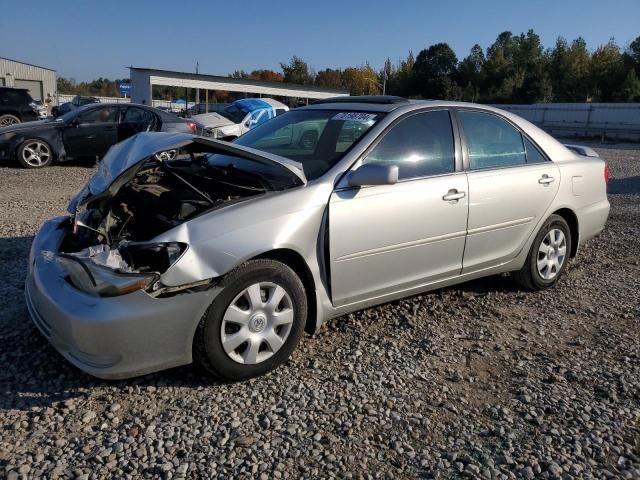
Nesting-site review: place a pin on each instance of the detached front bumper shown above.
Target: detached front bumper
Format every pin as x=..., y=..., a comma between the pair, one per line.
x=108, y=337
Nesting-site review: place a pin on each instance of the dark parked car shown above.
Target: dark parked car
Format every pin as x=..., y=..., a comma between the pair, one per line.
x=88, y=131
x=77, y=102
x=17, y=106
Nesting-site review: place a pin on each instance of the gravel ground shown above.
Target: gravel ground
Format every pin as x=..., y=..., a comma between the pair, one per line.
x=480, y=380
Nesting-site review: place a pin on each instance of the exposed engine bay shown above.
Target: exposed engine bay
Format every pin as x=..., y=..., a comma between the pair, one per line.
x=162, y=195
x=107, y=250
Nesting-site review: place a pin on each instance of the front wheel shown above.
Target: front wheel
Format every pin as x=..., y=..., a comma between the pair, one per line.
x=254, y=324
x=548, y=256
x=34, y=153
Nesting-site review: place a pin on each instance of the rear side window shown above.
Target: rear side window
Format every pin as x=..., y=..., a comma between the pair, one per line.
x=420, y=145
x=137, y=115
x=533, y=154
x=491, y=141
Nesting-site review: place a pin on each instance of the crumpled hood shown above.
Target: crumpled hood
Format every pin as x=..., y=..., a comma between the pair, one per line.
x=212, y=120
x=124, y=159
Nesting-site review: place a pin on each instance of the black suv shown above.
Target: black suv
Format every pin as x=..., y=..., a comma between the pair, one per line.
x=16, y=106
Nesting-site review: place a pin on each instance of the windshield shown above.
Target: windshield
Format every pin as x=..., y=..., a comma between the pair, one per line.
x=315, y=138
x=234, y=113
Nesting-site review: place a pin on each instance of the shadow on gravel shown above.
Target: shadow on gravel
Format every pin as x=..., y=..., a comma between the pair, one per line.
x=629, y=185
x=76, y=162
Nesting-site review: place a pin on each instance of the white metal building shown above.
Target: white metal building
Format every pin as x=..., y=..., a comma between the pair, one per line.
x=40, y=81
x=143, y=79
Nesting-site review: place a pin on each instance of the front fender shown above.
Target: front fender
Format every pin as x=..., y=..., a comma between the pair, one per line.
x=224, y=239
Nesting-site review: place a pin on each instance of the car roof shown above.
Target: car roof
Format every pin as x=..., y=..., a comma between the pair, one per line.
x=14, y=88
x=387, y=103
x=162, y=114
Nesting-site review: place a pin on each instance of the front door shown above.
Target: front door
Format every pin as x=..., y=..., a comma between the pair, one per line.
x=93, y=132
x=390, y=238
x=511, y=186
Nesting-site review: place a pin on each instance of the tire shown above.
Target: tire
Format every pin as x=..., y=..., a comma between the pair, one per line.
x=266, y=346
x=6, y=120
x=548, y=256
x=34, y=153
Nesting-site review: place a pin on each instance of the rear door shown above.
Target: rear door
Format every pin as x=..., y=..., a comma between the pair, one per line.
x=135, y=120
x=391, y=238
x=93, y=133
x=511, y=186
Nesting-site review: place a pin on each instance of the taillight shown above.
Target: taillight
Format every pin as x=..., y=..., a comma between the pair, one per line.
x=192, y=126
x=606, y=174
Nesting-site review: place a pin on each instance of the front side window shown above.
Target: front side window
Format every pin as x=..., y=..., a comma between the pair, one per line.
x=491, y=141
x=315, y=138
x=420, y=145
x=99, y=115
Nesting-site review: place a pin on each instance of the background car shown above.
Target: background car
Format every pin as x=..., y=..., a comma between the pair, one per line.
x=77, y=102
x=88, y=131
x=17, y=106
x=229, y=252
x=238, y=117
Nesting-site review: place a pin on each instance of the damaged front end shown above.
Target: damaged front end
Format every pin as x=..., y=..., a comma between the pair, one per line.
x=138, y=194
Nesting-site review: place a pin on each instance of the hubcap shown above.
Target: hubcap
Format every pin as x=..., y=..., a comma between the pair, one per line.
x=36, y=154
x=257, y=323
x=551, y=254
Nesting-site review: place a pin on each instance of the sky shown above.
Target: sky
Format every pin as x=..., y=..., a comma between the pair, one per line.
x=85, y=40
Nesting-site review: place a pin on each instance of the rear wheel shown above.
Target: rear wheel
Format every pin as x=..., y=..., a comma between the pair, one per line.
x=254, y=324
x=6, y=120
x=34, y=153
x=548, y=256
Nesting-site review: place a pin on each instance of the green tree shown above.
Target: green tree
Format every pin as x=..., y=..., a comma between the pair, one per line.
x=631, y=88
x=607, y=72
x=329, y=78
x=296, y=71
x=470, y=74
x=434, y=70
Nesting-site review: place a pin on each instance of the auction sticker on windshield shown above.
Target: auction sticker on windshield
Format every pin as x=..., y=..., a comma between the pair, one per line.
x=355, y=116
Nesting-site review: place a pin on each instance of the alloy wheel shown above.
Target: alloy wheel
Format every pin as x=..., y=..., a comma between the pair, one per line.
x=8, y=120
x=256, y=323
x=551, y=254
x=36, y=154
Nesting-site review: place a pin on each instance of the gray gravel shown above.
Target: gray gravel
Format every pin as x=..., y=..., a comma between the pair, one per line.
x=481, y=380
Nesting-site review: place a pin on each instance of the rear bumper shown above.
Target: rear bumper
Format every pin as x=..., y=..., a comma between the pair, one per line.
x=592, y=219
x=111, y=338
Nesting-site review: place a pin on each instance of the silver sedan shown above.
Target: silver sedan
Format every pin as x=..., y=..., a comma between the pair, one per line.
x=226, y=253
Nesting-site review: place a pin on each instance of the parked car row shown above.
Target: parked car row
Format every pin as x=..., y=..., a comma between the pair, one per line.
x=86, y=131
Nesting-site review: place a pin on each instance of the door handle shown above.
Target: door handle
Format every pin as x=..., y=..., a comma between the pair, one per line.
x=453, y=195
x=90, y=137
x=546, y=179
x=108, y=129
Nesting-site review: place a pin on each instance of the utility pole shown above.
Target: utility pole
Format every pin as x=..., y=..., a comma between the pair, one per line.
x=197, y=89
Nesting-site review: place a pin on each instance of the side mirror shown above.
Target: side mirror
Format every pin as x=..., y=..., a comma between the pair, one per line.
x=75, y=123
x=373, y=174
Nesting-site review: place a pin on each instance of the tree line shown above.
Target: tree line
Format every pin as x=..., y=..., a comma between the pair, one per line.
x=514, y=69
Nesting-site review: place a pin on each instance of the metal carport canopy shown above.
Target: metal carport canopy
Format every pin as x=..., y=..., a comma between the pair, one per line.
x=143, y=78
